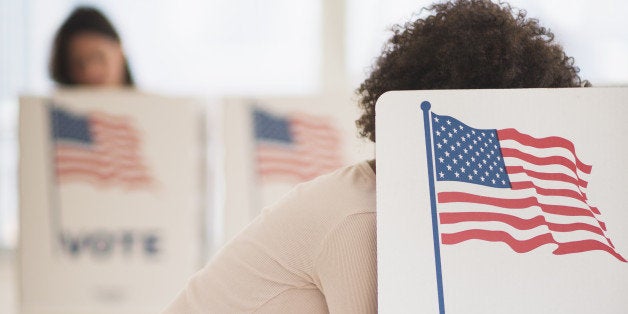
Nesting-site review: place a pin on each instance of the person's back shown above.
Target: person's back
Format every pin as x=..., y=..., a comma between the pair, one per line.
x=462, y=44
x=304, y=253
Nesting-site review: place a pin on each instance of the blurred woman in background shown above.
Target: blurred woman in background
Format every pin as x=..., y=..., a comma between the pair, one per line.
x=87, y=51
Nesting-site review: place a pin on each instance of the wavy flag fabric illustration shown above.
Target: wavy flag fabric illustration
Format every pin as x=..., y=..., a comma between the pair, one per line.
x=97, y=148
x=506, y=186
x=297, y=147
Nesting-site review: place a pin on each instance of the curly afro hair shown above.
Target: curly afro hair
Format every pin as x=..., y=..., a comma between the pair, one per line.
x=466, y=44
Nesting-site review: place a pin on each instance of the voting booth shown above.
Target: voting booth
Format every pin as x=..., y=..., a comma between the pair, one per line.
x=271, y=144
x=502, y=201
x=112, y=200
x=124, y=195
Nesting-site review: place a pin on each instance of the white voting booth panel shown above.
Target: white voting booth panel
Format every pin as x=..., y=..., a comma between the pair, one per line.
x=327, y=123
x=111, y=196
x=544, y=243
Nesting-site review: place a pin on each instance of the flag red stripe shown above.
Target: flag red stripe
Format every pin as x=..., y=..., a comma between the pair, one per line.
x=547, y=176
x=112, y=122
x=540, y=161
x=99, y=161
x=313, y=122
x=547, y=142
x=586, y=245
x=523, y=246
x=77, y=155
x=547, y=192
x=102, y=183
x=108, y=177
x=554, y=192
x=306, y=171
x=115, y=137
x=327, y=134
x=519, y=246
x=101, y=166
x=296, y=164
x=86, y=166
x=102, y=141
x=517, y=222
x=297, y=152
x=517, y=203
x=311, y=166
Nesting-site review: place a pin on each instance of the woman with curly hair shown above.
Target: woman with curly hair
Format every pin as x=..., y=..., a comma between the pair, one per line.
x=87, y=51
x=314, y=251
x=467, y=45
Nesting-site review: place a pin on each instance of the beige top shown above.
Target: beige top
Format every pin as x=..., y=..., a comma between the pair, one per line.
x=312, y=252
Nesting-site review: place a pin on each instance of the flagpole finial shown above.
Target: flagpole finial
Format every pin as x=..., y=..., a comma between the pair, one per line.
x=425, y=106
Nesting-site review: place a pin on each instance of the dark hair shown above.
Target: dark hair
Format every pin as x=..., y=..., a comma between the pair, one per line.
x=466, y=44
x=81, y=20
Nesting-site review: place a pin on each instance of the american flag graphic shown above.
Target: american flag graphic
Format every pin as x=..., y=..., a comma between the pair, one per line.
x=506, y=186
x=296, y=147
x=98, y=148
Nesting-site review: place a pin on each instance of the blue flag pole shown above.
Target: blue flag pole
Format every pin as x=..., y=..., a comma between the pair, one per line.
x=425, y=106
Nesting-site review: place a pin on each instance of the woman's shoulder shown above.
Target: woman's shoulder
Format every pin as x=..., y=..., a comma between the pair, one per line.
x=347, y=188
x=324, y=202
